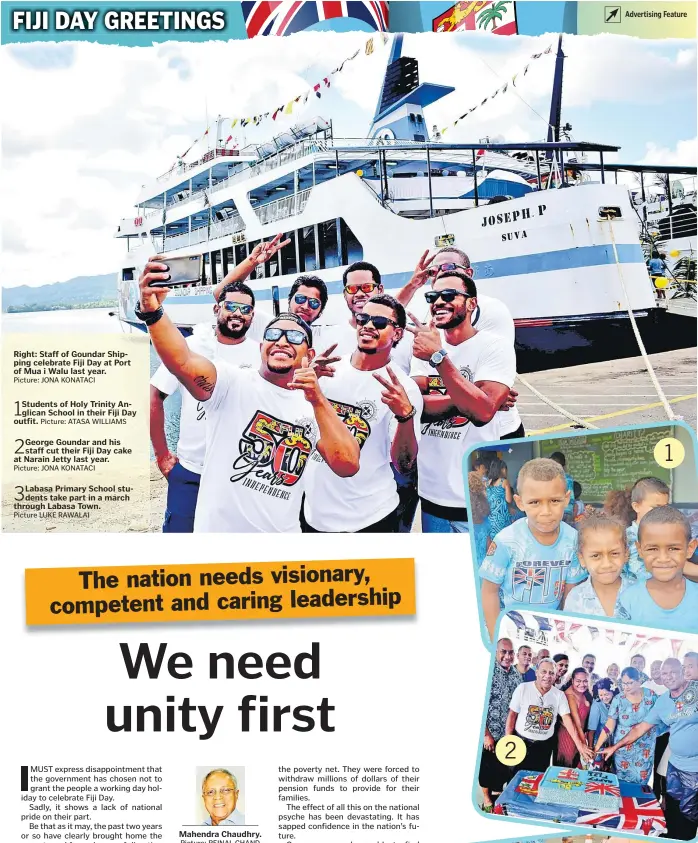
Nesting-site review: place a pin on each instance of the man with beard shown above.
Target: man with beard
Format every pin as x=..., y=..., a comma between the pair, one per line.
x=490, y=315
x=261, y=254
x=260, y=432
x=505, y=680
x=533, y=713
x=678, y=710
x=465, y=376
x=382, y=407
x=227, y=340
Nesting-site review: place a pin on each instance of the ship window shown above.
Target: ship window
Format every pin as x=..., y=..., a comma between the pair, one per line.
x=308, y=259
x=215, y=264
x=351, y=248
x=288, y=255
x=329, y=247
x=240, y=253
x=228, y=260
x=127, y=274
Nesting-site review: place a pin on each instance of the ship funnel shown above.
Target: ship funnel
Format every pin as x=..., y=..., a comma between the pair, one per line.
x=400, y=110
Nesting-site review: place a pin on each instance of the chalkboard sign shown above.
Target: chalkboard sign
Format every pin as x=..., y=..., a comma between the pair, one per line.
x=605, y=461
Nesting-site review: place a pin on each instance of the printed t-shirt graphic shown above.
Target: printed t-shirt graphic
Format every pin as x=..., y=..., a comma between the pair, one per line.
x=537, y=713
x=348, y=504
x=484, y=357
x=680, y=714
x=530, y=573
x=191, y=446
x=259, y=438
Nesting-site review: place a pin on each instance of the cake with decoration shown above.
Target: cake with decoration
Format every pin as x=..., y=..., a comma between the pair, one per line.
x=587, y=789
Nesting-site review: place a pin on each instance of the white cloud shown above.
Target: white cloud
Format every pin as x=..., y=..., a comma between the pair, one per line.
x=85, y=126
x=685, y=152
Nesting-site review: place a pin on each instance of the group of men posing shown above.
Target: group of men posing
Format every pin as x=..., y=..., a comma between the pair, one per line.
x=290, y=424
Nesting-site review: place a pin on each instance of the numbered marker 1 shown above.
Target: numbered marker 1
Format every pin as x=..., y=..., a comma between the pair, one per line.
x=510, y=750
x=669, y=453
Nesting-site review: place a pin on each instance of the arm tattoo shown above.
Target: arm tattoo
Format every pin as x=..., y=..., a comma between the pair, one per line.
x=204, y=383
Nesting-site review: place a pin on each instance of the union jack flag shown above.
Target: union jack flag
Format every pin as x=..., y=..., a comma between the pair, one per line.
x=283, y=17
x=636, y=814
x=602, y=789
x=529, y=576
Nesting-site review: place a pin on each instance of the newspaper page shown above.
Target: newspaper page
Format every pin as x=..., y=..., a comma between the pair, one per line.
x=418, y=272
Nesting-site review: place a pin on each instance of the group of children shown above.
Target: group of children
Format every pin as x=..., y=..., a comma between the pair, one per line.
x=631, y=560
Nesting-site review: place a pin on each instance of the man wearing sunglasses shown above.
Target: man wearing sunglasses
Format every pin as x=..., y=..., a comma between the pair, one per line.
x=307, y=298
x=382, y=407
x=227, y=340
x=261, y=253
x=465, y=375
x=260, y=429
x=360, y=281
x=490, y=315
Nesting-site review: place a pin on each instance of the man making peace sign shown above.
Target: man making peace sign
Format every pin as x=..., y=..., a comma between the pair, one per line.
x=464, y=377
x=382, y=407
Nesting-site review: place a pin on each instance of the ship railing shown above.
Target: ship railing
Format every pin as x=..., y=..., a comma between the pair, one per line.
x=288, y=206
x=206, y=232
x=182, y=167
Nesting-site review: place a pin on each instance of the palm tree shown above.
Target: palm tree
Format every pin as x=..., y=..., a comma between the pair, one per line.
x=495, y=12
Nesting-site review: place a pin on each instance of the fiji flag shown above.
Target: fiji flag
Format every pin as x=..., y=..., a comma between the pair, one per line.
x=283, y=17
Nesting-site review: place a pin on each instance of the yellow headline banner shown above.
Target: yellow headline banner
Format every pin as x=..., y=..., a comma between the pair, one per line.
x=219, y=591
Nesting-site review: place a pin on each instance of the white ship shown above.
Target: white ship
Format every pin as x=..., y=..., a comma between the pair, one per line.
x=554, y=251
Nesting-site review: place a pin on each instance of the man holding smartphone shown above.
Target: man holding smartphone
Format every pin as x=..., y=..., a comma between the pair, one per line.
x=227, y=340
x=261, y=430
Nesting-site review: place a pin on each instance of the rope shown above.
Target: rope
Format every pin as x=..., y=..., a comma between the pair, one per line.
x=641, y=345
x=556, y=407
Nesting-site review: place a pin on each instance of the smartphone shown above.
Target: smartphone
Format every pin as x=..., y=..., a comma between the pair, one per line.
x=184, y=270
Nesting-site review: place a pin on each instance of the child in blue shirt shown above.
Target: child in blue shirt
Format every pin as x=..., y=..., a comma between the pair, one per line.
x=667, y=599
x=533, y=562
x=603, y=553
x=647, y=494
x=560, y=458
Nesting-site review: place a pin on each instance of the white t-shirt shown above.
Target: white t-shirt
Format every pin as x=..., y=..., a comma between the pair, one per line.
x=493, y=316
x=191, y=446
x=259, y=438
x=346, y=504
x=537, y=712
x=484, y=357
x=653, y=686
x=346, y=339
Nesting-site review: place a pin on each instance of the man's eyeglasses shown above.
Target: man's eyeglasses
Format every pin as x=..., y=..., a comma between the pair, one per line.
x=353, y=289
x=446, y=295
x=292, y=335
x=232, y=306
x=224, y=791
x=314, y=304
x=433, y=271
x=379, y=322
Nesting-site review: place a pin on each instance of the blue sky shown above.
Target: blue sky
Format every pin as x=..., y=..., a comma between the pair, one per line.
x=85, y=125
